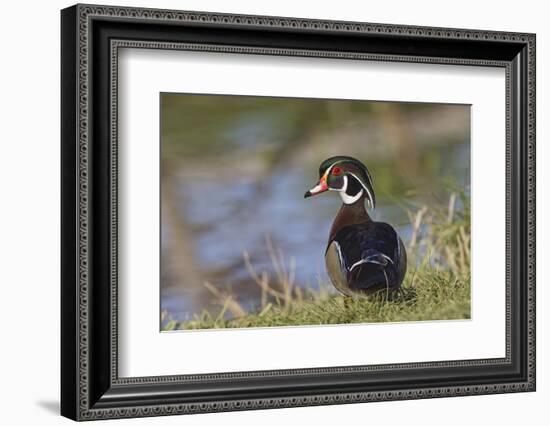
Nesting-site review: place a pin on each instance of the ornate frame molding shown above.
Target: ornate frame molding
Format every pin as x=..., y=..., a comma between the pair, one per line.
x=87, y=403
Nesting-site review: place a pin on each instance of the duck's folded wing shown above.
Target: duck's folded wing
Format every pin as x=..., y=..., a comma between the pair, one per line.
x=373, y=270
x=369, y=256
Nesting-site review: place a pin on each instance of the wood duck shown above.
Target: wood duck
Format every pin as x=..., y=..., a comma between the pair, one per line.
x=362, y=256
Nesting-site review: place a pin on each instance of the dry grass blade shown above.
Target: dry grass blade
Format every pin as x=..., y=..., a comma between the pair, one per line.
x=227, y=301
x=451, y=208
x=416, y=226
x=465, y=241
x=262, y=281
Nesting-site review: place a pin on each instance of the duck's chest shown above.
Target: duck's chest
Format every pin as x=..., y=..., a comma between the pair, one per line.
x=348, y=215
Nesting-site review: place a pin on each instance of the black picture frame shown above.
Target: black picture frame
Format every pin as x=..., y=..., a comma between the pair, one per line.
x=90, y=386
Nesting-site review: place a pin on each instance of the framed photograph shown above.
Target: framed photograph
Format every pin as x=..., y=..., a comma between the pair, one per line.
x=263, y=212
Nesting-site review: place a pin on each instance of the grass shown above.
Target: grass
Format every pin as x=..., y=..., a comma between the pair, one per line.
x=436, y=287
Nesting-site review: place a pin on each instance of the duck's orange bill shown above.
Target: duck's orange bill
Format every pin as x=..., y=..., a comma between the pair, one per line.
x=317, y=189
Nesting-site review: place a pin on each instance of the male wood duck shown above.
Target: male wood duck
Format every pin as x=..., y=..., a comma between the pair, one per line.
x=362, y=256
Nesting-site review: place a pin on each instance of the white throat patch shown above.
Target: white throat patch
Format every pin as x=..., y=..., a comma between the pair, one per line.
x=348, y=199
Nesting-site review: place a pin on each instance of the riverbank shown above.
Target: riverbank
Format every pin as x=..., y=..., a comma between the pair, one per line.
x=436, y=287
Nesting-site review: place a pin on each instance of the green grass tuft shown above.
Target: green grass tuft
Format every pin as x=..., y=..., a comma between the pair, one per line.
x=432, y=296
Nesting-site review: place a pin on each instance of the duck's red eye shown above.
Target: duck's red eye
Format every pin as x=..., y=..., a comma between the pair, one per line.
x=336, y=171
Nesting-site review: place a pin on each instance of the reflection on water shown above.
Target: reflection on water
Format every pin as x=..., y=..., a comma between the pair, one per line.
x=215, y=208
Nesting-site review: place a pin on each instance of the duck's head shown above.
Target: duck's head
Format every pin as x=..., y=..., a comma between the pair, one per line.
x=346, y=175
